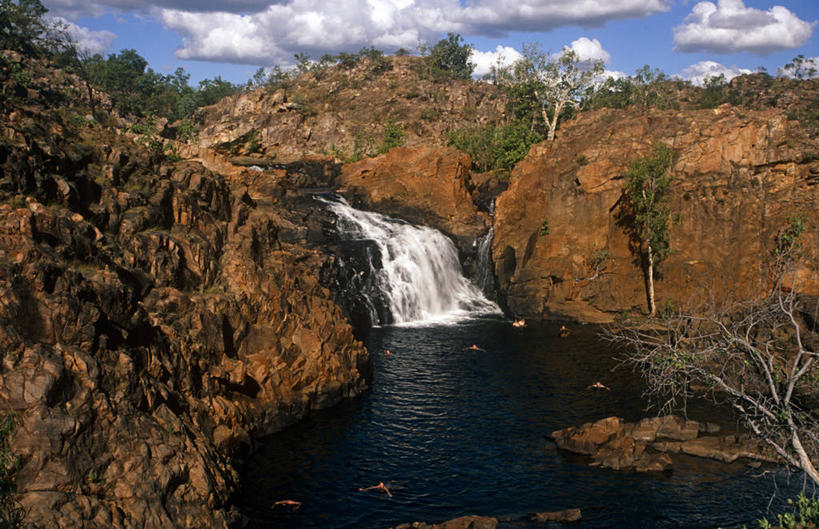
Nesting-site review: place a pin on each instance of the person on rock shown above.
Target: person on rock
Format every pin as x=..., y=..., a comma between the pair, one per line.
x=380, y=488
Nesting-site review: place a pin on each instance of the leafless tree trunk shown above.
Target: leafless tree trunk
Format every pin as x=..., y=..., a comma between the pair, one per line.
x=759, y=356
x=652, y=308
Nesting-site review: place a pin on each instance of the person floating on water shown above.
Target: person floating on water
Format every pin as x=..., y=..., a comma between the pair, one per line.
x=380, y=488
x=519, y=323
x=564, y=332
x=598, y=385
x=474, y=347
x=387, y=352
x=293, y=504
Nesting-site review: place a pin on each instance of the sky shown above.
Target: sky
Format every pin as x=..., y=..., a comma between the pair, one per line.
x=233, y=38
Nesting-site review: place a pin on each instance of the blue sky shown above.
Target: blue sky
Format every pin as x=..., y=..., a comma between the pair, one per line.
x=233, y=38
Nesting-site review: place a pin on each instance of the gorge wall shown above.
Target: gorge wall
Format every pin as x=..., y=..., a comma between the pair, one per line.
x=155, y=317
x=738, y=176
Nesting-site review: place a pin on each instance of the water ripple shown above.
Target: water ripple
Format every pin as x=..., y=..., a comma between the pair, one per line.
x=454, y=432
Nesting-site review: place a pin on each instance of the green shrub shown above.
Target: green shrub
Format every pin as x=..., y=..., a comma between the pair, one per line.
x=806, y=514
x=393, y=136
x=492, y=147
x=544, y=228
x=11, y=514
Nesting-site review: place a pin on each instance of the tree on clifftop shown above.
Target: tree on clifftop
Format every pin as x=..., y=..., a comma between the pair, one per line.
x=644, y=211
x=450, y=55
x=557, y=81
x=24, y=28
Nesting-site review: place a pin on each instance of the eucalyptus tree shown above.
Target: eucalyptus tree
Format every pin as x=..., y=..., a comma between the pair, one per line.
x=645, y=211
x=557, y=81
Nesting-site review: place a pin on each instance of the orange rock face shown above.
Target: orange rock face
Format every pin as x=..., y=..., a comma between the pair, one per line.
x=738, y=177
x=425, y=185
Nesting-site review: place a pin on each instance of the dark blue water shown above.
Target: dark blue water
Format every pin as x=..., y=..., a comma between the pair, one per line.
x=453, y=432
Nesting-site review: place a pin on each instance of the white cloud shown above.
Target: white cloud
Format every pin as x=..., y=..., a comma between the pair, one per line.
x=730, y=27
x=614, y=74
x=485, y=60
x=590, y=50
x=93, y=8
x=310, y=26
x=86, y=40
x=493, y=16
x=699, y=72
x=270, y=31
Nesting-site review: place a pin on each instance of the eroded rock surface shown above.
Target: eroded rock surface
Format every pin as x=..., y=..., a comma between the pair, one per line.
x=739, y=175
x=425, y=185
x=645, y=446
x=154, y=319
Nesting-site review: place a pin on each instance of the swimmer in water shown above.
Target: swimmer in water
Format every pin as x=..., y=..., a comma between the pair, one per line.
x=519, y=323
x=474, y=347
x=598, y=385
x=293, y=504
x=380, y=488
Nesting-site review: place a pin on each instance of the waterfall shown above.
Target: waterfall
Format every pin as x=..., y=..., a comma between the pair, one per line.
x=417, y=273
x=485, y=277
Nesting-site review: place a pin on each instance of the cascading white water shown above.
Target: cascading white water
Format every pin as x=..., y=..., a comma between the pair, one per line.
x=420, y=276
x=485, y=277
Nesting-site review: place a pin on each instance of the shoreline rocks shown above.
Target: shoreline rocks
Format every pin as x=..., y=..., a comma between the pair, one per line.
x=645, y=446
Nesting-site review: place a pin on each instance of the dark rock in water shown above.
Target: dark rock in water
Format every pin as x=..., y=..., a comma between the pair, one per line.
x=645, y=446
x=464, y=522
x=565, y=516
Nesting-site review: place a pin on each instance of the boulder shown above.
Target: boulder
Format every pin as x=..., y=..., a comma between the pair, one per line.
x=645, y=446
x=424, y=185
x=565, y=516
x=464, y=522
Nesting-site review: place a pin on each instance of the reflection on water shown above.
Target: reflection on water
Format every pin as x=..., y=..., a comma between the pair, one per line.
x=453, y=432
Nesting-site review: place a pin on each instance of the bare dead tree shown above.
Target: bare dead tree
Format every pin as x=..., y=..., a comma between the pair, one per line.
x=759, y=356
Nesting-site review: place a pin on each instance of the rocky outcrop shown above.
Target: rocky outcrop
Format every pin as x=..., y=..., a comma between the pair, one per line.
x=487, y=522
x=739, y=175
x=154, y=319
x=645, y=446
x=424, y=185
x=344, y=112
x=565, y=516
x=464, y=522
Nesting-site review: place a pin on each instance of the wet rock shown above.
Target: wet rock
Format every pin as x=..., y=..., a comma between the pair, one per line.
x=464, y=522
x=153, y=323
x=645, y=446
x=565, y=516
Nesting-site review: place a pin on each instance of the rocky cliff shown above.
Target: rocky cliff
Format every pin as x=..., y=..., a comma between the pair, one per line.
x=738, y=176
x=344, y=112
x=155, y=316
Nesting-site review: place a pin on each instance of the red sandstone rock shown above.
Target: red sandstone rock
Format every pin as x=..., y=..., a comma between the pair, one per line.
x=738, y=176
x=425, y=185
x=565, y=516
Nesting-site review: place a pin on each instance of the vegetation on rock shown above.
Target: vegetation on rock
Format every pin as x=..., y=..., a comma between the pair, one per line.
x=644, y=211
x=11, y=514
x=759, y=356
